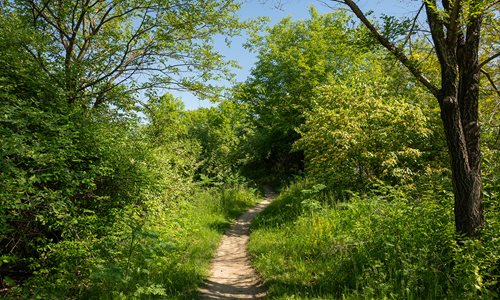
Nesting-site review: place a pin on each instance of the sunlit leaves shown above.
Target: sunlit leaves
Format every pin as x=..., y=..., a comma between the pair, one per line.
x=92, y=47
x=365, y=127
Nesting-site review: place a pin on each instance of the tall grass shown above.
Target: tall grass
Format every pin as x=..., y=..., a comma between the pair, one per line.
x=388, y=245
x=161, y=253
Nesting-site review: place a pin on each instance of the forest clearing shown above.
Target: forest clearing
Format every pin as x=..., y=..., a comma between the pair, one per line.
x=358, y=159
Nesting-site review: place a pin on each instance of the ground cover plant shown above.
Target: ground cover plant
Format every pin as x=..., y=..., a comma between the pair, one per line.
x=386, y=245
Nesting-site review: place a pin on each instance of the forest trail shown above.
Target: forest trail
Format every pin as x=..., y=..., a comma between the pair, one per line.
x=231, y=275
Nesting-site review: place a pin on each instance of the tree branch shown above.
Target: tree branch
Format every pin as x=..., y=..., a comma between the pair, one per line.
x=409, y=64
x=413, y=25
x=482, y=64
x=437, y=32
x=75, y=28
x=491, y=81
x=453, y=32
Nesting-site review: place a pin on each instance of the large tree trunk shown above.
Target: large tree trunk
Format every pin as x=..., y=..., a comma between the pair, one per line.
x=456, y=43
x=458, y=100
x=466, y=175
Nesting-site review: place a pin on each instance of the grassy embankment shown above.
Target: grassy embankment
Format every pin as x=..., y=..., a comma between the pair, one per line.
x=307, y=245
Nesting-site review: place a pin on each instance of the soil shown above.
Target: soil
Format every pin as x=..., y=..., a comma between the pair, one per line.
x=232, y=276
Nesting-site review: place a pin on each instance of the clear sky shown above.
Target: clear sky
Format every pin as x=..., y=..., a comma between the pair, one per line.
x=297, y=9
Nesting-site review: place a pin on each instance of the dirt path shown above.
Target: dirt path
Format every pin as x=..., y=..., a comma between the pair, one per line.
x=232, y=276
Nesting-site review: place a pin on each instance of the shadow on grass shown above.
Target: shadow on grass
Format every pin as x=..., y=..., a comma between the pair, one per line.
x=285, y=209
x=220, y=225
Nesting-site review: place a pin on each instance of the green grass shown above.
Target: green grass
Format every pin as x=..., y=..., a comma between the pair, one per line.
x=384, y=246
x=164, y=253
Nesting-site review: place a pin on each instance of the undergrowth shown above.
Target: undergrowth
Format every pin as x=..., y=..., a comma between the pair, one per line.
x=386, y=245
x=162, y=252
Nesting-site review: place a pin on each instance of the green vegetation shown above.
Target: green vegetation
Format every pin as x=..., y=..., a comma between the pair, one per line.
x=373, y=216
x=294, y=58
x=110, y=189
x=100, y=194
x=163, y=252
x=389, y=244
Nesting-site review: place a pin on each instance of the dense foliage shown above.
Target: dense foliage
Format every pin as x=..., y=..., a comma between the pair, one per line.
x=91, y=203
x=368, y=127
x=109, y=193
x=222, y=131
x=293, y=59
x=97, y=192
x=373, y=217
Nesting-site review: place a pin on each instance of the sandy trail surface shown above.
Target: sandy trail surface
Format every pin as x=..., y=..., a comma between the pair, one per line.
x=232, y=276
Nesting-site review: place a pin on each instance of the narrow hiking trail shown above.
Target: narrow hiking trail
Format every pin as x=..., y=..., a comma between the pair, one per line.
x=231, y=274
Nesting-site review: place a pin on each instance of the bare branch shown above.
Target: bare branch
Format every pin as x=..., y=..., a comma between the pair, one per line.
x=413, y=25
x=73, y=14
x=33, y=6
x=74, y=33
x=493, y=4
x=40, y=12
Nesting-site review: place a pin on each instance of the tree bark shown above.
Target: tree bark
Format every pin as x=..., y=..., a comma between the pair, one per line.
x=466, y=175
x=458, y=99
x=456, y=45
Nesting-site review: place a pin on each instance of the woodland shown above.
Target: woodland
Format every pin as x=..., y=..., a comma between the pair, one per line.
x=381, y=135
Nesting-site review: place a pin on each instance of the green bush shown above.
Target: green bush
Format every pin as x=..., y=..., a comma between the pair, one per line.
x=91, y=208
x=161, y=248
x=365, y=128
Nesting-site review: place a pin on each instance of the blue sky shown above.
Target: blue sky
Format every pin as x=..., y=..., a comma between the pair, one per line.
x=297, y=9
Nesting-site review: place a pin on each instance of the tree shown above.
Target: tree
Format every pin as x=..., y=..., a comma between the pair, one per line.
x=220, y=131
x=455, y=27
x=368, y=128
x=293, y=59
x=93, y=47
